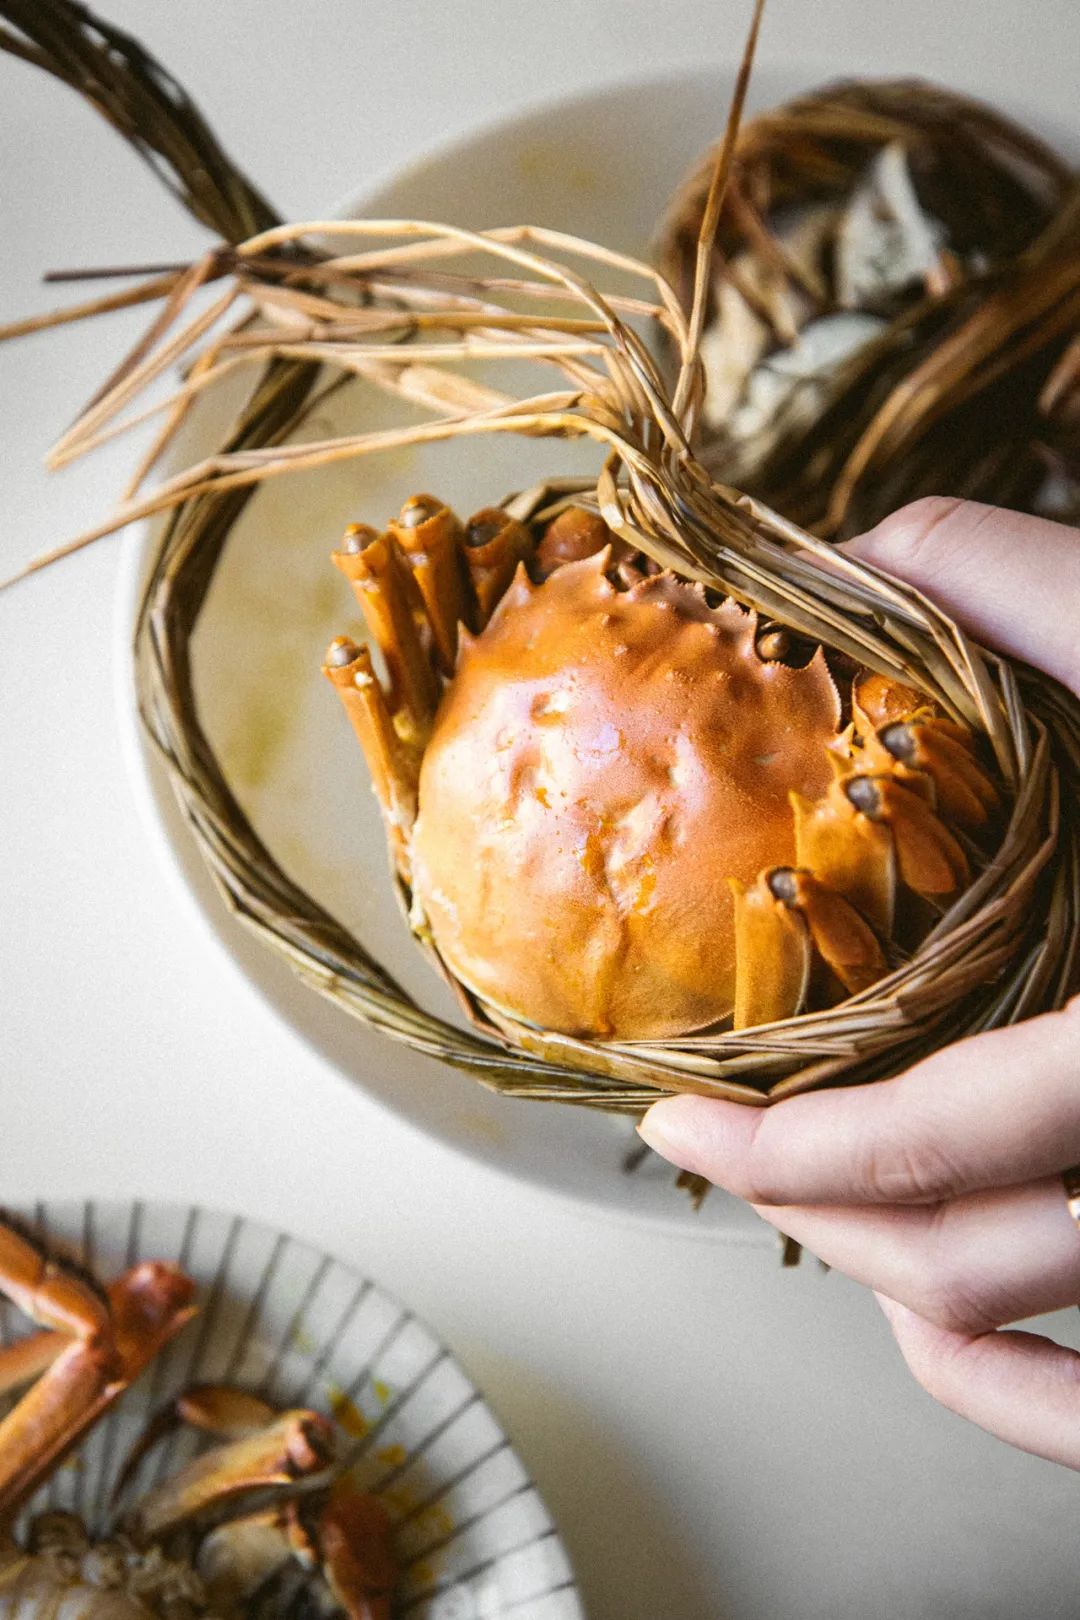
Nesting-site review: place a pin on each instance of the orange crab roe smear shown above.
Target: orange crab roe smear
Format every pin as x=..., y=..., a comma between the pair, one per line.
x=602, y=763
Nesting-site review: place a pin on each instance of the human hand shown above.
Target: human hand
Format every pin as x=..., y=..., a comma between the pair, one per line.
x=941, y=1189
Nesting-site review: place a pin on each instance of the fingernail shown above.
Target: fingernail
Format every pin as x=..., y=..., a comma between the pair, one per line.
x=665, y=1130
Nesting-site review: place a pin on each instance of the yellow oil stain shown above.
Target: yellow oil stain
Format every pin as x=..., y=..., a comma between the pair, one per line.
x=303, y=1343
x=263, y=730
x=400, y=1500
x=546, y=162
x=393, y=1456
x=347, y=1412
x=435, y=1522
x=383, y=1392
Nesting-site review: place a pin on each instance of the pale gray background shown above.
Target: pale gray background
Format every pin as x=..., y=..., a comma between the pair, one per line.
x=717, y=1440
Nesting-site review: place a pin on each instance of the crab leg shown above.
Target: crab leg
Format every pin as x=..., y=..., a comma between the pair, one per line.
x=387, y=593
x=780, y=922
x=391, y=763
x=274, y=1552
x=928, y=858
x=148, y=1305
x=850, y=852
x=290, y=1447
x=936, y=749
x=772, y=956
x=844, y=941
x=26, y=1359
x=49, y=1292
x=495, y=544
x=431, y=538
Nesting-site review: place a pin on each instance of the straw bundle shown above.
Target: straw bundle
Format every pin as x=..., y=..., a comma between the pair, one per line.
x=391, y=303
x=894, y=307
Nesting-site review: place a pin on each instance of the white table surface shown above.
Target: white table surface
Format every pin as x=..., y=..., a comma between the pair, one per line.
x=717, y=1439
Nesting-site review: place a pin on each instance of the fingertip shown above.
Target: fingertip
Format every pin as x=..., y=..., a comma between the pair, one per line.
x=694, y=1133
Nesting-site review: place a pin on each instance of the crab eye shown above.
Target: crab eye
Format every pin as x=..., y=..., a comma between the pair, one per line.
x=775, y=644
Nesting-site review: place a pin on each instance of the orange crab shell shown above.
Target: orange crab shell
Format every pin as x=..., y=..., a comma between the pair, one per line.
x=603, y=762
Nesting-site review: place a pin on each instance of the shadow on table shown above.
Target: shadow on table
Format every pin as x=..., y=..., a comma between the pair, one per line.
x=631, y=1558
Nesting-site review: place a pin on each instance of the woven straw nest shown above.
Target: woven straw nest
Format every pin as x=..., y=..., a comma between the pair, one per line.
x=894, y=307
x=394, y=305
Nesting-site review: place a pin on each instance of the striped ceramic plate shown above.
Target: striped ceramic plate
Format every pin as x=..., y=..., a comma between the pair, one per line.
x=474, y=1538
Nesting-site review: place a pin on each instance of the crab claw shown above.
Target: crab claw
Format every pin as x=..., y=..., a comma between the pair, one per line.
x=934, y=748
x=217, y=1409
x=353, y=1536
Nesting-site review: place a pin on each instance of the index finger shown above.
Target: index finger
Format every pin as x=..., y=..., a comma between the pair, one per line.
x=992, y=1111
x=1012, y=580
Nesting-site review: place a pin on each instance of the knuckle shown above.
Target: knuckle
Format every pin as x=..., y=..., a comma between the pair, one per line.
x=954, y=1299
x=907, y=1172
x=767, y=1179
x=941, y=1370
x=933, y=532
x=956, y=1290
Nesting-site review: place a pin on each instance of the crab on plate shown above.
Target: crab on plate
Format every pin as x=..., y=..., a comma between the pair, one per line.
x=263, y=1523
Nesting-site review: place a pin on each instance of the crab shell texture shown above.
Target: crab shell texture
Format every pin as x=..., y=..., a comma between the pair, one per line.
x=603, y=763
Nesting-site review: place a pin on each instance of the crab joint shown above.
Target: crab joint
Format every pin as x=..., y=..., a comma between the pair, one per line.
x=391, y=762
x=48, y=1291
x=148, y=1305
x=389, y=600
x=494, y=545
x=295, y=1445
x=431, y=539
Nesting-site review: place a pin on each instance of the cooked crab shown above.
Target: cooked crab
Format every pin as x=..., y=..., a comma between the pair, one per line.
x=624, y=810
x=258, y=1524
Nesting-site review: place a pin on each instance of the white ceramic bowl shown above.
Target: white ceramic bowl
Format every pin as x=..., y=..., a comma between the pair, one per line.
x=474, y=1539
x=602, y=167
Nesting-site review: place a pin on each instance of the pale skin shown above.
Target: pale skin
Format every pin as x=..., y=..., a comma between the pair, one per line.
x=941, y=1189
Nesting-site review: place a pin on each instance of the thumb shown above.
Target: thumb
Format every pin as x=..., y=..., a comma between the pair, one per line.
x=1013, y=581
